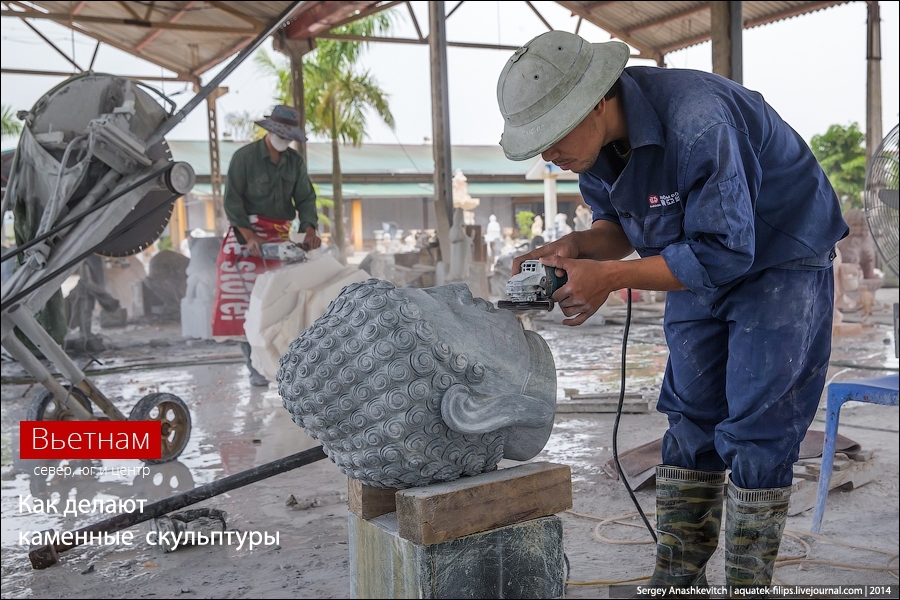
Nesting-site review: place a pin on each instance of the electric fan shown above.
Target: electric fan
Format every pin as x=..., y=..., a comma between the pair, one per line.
x=881, y=208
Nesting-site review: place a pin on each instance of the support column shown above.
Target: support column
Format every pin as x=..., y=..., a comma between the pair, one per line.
x=550, y=209
x=873, y=79
x=726, y=32
x=440, y=123
x=178, y=223
x=215, y=169
x=356, y=224
x=295, y=50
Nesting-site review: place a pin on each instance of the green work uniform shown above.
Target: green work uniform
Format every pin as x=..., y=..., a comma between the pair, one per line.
x=257, y=186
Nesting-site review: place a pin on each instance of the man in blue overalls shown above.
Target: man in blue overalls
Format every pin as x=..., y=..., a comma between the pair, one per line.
x=732, y=216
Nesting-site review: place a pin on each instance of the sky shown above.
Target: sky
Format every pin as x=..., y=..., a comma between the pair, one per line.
x=811, y=69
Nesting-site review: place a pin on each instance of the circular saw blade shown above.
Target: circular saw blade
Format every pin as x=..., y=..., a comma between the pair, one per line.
x=149, y=219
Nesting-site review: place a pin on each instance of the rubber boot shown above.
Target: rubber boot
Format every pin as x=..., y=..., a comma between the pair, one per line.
x=257, y=379
x=688, y=519
x=754, y=524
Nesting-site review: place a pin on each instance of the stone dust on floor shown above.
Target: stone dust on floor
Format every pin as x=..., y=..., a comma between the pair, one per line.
x=237, y=427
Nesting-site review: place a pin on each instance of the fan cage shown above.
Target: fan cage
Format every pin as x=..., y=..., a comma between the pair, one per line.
x=880, y=200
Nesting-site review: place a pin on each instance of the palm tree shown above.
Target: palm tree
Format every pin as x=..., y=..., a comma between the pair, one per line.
x=11, y=125
x=336, y=98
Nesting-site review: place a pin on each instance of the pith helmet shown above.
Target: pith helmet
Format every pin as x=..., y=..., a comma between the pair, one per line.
x=549, y=86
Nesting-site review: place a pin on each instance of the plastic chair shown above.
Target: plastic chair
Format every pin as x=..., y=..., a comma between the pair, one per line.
x=875, y=390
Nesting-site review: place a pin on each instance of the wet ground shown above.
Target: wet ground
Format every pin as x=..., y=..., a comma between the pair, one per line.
x=236, y=427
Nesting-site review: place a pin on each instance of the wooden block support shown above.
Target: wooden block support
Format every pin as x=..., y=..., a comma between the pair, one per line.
x=445, y=511
x=848, y=472
x=367, y=502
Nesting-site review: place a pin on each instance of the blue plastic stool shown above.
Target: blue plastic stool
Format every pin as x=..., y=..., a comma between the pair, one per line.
x=875, y=390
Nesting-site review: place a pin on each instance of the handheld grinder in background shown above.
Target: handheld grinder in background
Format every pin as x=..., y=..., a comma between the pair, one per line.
x=286, y=252
x=532, y=288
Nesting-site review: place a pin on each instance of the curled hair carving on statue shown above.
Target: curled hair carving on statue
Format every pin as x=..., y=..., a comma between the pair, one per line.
x=401, y=392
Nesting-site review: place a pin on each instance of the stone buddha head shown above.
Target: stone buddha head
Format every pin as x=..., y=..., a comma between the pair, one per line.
x=406, y=387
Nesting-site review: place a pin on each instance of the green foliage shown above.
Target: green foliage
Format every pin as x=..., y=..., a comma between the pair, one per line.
x=524, y=220
x=321, y=204
x=242, y=126
x=11, y=124
x=842, y=153
x=165, y=243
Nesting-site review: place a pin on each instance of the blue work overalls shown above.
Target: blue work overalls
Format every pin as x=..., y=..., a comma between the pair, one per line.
x=737, y=205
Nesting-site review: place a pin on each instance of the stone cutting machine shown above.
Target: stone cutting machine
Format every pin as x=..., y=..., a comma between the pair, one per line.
x=92, y=174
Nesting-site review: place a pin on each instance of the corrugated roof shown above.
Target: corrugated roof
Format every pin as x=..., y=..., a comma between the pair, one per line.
x=191, y=37
x=657, y=28
x=187, y=37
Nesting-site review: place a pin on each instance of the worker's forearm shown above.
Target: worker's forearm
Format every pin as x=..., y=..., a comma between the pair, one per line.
x=247, y=233
x=650, y=273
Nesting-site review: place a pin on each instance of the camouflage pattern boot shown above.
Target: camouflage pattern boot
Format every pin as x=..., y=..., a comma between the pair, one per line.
x=754, y=523
x=688, y=519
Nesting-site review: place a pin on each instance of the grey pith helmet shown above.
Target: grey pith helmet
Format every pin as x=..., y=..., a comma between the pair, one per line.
x=549, y=86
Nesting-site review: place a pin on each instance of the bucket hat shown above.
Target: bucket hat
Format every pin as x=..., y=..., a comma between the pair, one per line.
x=284, y=122
x=549, y=86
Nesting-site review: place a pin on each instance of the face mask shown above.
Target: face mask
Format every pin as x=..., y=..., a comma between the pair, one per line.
x=279, y=143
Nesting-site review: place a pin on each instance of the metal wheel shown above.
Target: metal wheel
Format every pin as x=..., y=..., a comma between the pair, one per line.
x=47, y=408
x=175, y=418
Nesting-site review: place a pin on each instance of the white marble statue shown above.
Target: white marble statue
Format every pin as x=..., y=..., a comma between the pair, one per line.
x=537, y=227
x=461, y=248
x=493, y=237
x=562, y=225
x=583, y=218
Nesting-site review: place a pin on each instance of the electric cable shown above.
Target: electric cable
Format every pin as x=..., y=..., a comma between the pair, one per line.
x=615, y=434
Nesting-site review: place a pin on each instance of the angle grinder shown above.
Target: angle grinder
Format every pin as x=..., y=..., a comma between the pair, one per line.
x=532, y=288
x=286, y=252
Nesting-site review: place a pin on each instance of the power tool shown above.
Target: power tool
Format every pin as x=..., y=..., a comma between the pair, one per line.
x=532, y=287
x=286, y=252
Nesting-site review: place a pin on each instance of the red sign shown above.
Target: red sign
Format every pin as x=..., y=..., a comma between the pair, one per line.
x=90, y=439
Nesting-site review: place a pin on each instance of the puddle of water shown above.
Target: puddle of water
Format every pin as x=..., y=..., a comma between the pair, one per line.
x=234, y=427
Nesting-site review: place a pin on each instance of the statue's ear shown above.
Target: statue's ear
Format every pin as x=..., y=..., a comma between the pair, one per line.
x=465, y=413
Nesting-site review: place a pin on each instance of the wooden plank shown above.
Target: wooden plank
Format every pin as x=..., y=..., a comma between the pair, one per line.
x=437, y=513
x=603, y=402
x=368, y=502
x=803, y=493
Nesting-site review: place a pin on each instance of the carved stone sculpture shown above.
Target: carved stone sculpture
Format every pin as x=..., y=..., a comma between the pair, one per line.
x=583, y=218
x=413, y=386
x=859, y=247
x=461, y=248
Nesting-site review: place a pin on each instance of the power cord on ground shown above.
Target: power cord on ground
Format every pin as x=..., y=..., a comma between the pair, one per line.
x=781, y=561
x=615, y=435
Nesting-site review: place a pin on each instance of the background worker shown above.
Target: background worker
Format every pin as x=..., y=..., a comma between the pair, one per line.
x=268, y=186
x=731, y=214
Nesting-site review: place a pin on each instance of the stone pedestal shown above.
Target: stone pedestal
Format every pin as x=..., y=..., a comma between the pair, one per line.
x=524, y=560
x=494, y=535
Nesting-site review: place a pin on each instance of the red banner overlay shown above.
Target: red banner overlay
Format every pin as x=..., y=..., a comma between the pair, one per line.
x=90, y=439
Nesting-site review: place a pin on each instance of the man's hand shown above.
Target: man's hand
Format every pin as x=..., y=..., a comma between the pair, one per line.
x=312, y=240
x=564, y=247
x=254, y=242
x=587, y=288
x=590, y=282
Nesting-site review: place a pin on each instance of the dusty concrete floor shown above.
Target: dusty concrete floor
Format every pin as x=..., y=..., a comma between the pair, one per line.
x=236, y=427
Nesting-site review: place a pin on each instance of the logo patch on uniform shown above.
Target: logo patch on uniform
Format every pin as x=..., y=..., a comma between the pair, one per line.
x=663, y=199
